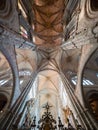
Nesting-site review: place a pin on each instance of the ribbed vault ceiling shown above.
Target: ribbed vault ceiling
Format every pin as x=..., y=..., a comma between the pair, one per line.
x=48, y=26
x=48, y=30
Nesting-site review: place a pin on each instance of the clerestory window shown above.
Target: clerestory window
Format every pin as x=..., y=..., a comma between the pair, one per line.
x=85, y=81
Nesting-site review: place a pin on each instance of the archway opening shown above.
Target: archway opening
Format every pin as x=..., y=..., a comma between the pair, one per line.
x=2, y=4
x=3, y=101
x=90, y=84
x=94, y=5
x=93, y=103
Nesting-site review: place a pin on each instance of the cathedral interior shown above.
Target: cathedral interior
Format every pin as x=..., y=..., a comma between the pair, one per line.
x=48, y=64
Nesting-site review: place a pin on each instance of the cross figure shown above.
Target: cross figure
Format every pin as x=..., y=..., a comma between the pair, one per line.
x=47, y=107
